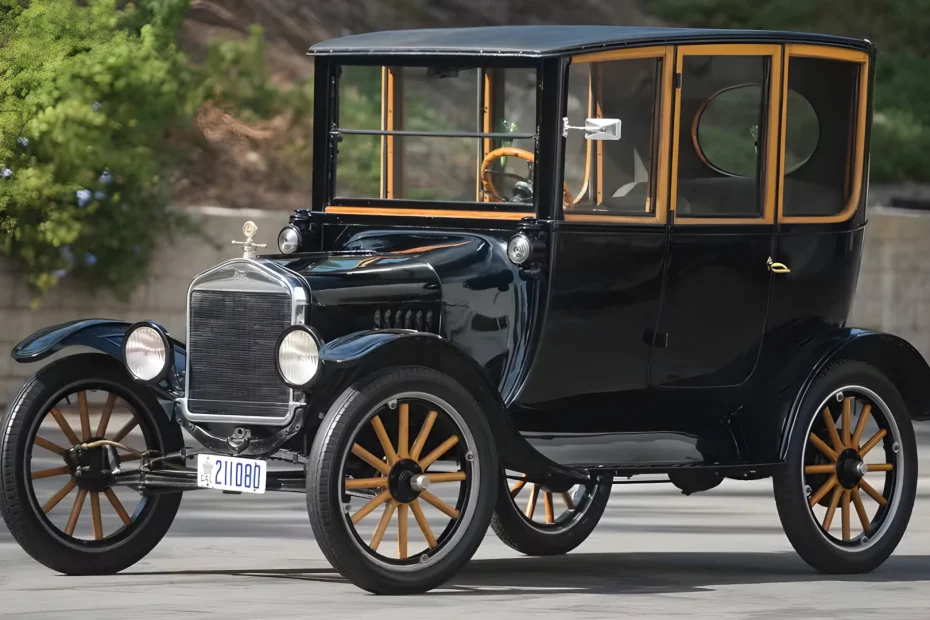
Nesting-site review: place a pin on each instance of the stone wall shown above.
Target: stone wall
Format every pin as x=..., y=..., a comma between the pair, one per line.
x=893, y=293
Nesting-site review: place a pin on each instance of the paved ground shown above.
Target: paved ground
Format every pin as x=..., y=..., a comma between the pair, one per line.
x=657, y=554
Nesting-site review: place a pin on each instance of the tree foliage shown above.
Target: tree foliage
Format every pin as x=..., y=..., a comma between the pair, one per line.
x=90, y=94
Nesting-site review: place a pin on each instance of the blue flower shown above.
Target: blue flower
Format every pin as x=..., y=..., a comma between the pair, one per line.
x=99, y=195
x=67, y=254
x=90, y=259
x=23, y=142
x=96, y=105
x=6, y=173
x=83, y=197
x=59, y=273
x=106, y=177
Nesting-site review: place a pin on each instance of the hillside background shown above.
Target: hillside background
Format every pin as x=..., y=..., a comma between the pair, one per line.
x=250, y=160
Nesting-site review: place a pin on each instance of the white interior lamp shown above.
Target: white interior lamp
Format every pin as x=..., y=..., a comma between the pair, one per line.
x=595, y=128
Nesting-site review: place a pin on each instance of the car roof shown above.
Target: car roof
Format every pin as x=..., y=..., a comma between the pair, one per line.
x=539, y=41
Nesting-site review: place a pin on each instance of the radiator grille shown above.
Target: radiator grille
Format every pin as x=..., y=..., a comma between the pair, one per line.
x=232, y=338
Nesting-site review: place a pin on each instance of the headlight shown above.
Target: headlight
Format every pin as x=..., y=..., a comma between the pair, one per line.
x=288, y=240
x=519, y=249
x=146, y=352
x=298, y=356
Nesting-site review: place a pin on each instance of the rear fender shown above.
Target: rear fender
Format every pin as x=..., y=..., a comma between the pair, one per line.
x=352, y=357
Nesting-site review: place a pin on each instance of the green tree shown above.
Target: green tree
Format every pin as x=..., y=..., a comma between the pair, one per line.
x=91, y=94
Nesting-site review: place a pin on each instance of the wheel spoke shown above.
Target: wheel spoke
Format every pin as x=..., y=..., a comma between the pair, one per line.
x=420, y=441
x=845, y=507
x=75, y=512
x=831, y=429
x=860, y=509
x=131, y=424
x=820, y=445
x=823, y=490
x=365, y=510
x=48, y=445
x=531, y=503
x=444, y=447
x=118, y=506
x=567, y=498
x=57, y=497
x=455, y=476
x=547, y=502
x=366, y=483
x=402, y=532
x=95, y=515
x=847, y=421
x=85, y=415
x=868, y=488
x=439, y=504
x=371, y=459
x=860, y=427
x=48, y=473
x=382, y=525
x=105, y=416
x=820, y=469
x=881, y=467
x=831, y=510
x=872, y=442
x=403, y=432
x=515, y=489
x=65, y=427
x=385, y=440
x=423, y=523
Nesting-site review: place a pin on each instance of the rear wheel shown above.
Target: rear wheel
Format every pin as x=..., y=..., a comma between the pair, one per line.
x=67, y=516
x=847, y=491
x=401, y=480
x=535, y=520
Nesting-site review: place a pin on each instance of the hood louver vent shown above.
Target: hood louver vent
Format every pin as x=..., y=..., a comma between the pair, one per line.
x=406, y=318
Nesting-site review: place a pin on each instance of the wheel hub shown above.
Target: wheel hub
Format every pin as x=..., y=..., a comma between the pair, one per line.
x=90, y=468
x=850, y=468
x=406, y=481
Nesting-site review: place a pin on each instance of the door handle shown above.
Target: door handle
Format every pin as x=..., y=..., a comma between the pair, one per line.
x=777, y=267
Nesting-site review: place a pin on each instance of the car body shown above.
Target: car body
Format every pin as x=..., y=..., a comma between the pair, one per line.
x=664, y=291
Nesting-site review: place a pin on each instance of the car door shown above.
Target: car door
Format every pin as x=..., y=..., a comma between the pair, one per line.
x=721, y=213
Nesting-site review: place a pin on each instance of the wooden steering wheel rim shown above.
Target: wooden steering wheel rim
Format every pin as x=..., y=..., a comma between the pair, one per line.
x=511, y=151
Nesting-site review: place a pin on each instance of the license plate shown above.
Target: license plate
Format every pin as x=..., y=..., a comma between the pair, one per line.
x=228, y=473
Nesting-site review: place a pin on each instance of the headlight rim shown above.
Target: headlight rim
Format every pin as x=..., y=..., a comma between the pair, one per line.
x=299, y=239
x=166, y=341
x=277, y=357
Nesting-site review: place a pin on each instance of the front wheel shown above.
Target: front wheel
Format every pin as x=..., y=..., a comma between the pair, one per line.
x=407, y=440
x=67, y=514
x=847, y=491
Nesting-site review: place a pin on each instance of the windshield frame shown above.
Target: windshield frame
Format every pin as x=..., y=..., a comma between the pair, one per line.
x=327, y=135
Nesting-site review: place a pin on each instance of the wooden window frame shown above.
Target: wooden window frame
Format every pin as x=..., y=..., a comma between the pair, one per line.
x=856, y=157
x=660, y=142
x=770, y=157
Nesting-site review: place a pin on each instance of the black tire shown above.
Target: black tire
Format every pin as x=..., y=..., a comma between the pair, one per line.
x=27, y=522
x=817, y=545
x=329, y=462
x=568, y=529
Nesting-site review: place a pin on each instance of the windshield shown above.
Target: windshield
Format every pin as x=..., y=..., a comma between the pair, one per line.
x=461, y=134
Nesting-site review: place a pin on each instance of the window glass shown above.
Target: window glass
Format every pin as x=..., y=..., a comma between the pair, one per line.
x=718, y=159
x=613, y=177
x=821, y=186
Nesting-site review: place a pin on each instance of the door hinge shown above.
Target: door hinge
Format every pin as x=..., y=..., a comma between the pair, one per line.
x=678, y=80
x=655, y=339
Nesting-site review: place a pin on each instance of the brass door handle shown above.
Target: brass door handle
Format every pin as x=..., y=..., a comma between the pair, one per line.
x=777, y=267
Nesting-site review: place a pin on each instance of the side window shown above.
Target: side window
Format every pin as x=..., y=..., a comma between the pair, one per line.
x=721, y=136
x=614, y=177
x=823, y=149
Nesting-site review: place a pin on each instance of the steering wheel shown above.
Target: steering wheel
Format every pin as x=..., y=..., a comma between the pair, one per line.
x=487, y=183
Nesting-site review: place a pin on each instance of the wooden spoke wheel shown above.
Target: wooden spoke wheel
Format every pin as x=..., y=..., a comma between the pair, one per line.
x=59, y=438
x=398, y=481
x=536, y=520
x=850, y=482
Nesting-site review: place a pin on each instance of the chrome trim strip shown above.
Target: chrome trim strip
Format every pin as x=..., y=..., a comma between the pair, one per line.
x=252, y=275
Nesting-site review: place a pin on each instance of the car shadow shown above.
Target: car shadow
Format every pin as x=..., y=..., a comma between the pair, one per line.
x=616, y=573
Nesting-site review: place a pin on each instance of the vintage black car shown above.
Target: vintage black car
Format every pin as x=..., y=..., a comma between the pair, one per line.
x=538, y=261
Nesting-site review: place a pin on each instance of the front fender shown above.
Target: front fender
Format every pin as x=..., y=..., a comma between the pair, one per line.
x=104, y=335
x=890, y=354
x=351, y=357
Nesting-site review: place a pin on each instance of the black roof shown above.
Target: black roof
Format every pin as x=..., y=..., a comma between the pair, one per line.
x=549, y=40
